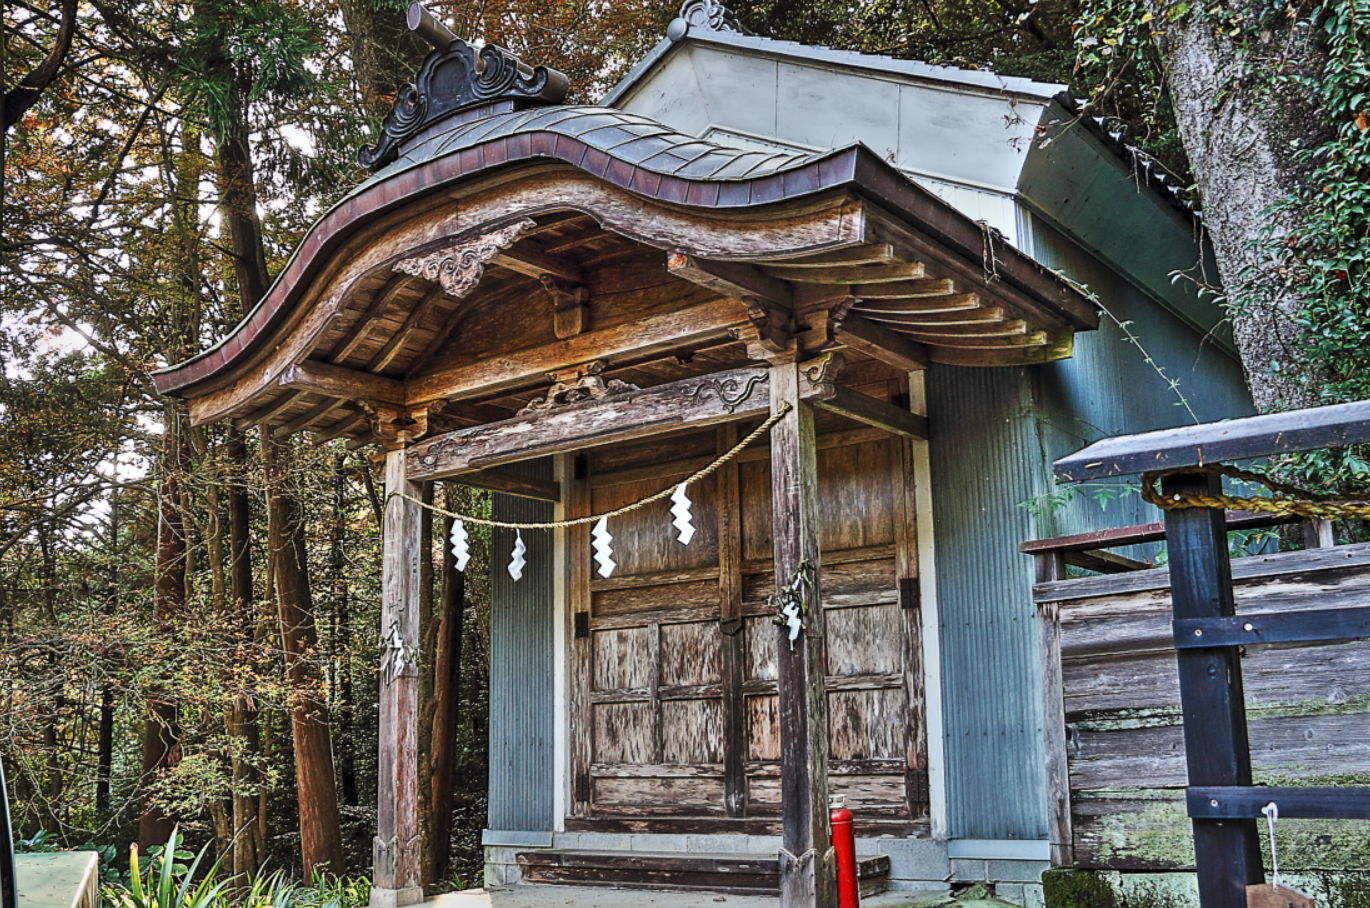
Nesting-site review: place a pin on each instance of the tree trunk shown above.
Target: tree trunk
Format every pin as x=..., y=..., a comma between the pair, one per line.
x=240, y=719
x=1239, y=133
x=347, y=772
x=384, y=53
x=160, y=729
x=320, y=830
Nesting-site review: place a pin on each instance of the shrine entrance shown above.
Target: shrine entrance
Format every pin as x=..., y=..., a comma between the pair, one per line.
x=674, y=663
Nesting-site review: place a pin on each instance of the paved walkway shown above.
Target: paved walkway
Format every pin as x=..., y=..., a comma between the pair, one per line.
x=582, y=896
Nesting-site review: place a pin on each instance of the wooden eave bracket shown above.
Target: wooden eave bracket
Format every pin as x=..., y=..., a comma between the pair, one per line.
x=769, y=300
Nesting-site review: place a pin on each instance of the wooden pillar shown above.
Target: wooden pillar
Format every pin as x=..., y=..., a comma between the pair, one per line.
x=1227, y=852
x=1052, y=566
x=396, y=849
x=807, y=871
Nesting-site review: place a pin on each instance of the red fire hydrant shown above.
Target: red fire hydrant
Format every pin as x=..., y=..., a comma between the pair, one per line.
x=844, y=843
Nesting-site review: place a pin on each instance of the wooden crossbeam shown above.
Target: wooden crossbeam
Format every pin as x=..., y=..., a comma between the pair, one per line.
x=1302, y=626
x=733, y=279
x=1240, y=802
x=639, y=339
x=865, y=409
x=693, y=402
x=528, y=258
x=362, y=328
x=511, y=483
x=347, y=384
x=881, y=343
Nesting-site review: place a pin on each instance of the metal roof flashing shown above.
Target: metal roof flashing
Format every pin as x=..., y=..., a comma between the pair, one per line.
x=683, y=33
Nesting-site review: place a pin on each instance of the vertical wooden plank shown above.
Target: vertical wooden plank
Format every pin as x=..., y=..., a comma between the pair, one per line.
x=576, y=495
x=1052, y=566
x=730, y=621
x=902, y=486
x=1227, y=852
x=653, y=689
x=807, y=867
x=396, y=848
x=1318, y=533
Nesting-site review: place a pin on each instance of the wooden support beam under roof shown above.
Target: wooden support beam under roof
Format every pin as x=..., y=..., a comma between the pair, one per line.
x=703, y=400
x=695, y=402
x=639, y=339
x=733, y=279
x=527, y=257
x=345, y=384
x=881, y=343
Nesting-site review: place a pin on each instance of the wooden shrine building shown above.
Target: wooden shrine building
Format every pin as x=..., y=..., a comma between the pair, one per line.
x=582, y=306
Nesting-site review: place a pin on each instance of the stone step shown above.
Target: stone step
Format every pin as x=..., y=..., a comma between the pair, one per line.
x=741, y=874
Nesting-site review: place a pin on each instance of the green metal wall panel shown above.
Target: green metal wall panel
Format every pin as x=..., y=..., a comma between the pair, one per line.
x=522, y=651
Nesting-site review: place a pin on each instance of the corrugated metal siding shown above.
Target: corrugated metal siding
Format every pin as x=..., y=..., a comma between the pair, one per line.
x=986, y=459
x=994, y=435
x=1108, y=388
x=522, y=717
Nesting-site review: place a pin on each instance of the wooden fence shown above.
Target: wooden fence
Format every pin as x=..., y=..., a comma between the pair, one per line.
x=1114, y=727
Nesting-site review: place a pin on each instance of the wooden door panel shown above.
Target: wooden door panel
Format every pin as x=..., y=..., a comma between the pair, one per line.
x=867, y=724
x=659, y=797
x=691, y=653
x=660, y=687
x=763, y=727
x=644, y=540
x=865, y=641
x=622, y=659
x=692, y=731
x=623, y=733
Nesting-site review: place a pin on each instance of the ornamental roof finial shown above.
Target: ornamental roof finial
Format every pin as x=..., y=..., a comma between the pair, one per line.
x=456, y=77
x=708, y=15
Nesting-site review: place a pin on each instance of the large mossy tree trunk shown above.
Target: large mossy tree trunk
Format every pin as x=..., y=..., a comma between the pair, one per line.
x=1243, y=122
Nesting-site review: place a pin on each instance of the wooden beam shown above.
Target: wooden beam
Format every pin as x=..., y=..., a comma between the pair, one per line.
x=269, y=412
x=807, y=864
x=864, y=254
x=527, y=257
x=396, y=851
x=1217, y=442
x=373, y=312
x=694, y=402
x=850, y=274
x=865, y=409
x=511, y=483
x=639, y=339
x=308, y=418
x=1060, y=834
x=387, y=353
x=881, y=343
x=345, y=384
x=733, y=279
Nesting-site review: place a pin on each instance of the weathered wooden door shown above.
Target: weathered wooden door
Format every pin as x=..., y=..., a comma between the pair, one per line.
x=673, y=657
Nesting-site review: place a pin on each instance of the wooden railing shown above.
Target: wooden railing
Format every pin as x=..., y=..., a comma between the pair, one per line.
x=1289, y=599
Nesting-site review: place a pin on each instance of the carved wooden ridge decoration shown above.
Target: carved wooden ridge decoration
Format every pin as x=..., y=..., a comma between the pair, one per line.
x=459, y=268
x=455, y=77
x=572, y=386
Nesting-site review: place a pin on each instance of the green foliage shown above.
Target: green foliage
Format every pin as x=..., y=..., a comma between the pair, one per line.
x=1077, y=889
x=1328, y=259
x=168, y=882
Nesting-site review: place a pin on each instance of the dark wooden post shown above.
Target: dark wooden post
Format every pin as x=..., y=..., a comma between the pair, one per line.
x=1052, y=566
x=1227, y=852
x=806, y=858
x=396, y=849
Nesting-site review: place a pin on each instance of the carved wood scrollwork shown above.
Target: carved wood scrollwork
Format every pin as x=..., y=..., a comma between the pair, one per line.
x=731, y=392
x=571, y=386
x=459, y=268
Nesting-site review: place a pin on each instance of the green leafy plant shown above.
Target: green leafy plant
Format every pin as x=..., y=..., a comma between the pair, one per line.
x=168, y=882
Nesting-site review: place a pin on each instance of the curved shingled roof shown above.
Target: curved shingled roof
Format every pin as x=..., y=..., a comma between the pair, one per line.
x=633, y=152
x=625, y=137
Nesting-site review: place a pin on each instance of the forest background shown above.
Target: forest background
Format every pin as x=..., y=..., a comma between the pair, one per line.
x=189, y=615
